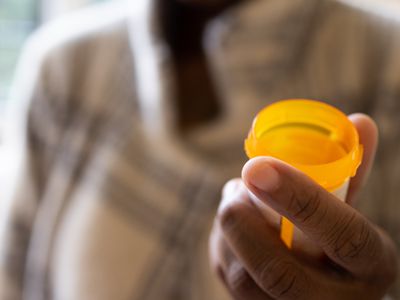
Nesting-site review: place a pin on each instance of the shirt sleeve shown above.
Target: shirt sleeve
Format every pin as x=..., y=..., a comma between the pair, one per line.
x=29, y=141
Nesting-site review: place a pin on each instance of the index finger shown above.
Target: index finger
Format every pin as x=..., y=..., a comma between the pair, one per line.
x=344, y=234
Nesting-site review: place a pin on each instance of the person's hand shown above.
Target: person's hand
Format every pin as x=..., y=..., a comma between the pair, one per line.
x=359, y=259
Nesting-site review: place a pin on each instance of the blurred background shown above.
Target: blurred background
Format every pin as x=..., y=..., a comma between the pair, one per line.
x=18, y=18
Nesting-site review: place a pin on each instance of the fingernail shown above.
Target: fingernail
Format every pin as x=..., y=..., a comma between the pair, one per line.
x=260, y=174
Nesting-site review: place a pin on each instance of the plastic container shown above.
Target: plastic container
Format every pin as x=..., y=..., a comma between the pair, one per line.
x=312, y=136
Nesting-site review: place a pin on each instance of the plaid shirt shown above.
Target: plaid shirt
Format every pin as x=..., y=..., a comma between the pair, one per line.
x=109, y=201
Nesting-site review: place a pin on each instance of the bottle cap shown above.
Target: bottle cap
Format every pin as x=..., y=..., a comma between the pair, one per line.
x=312, y=136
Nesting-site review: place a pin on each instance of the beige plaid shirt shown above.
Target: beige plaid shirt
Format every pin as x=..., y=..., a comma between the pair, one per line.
x=109, y=201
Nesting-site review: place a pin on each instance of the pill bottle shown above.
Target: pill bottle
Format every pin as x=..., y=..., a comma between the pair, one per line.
x=312, y=136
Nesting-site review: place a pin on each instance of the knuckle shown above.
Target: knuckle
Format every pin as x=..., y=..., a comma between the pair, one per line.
x=230, y=216
x=240, y=282
x=282, y=279
x=305, y=206
x=354, y=240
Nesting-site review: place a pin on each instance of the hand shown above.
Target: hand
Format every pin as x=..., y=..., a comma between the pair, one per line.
x=359, y=258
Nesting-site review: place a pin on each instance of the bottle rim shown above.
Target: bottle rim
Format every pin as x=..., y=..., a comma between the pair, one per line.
x=330, y=175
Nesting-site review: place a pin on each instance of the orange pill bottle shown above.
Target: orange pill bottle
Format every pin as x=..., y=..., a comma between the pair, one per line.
x=312, y=136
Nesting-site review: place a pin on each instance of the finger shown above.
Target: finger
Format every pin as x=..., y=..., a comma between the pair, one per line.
x=235, y=188
x=259, y=250
x=368, y=133
x=232, y=273
x=216, y=252
x=241, y=285
x=220, y=255
x=344, y=234
x=234, y=276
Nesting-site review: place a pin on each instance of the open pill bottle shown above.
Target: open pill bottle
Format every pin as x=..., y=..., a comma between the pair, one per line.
x=312, y=136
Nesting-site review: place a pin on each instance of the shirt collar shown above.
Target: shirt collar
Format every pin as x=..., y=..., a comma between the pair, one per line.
x=249, y=46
